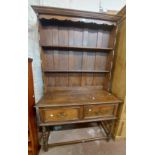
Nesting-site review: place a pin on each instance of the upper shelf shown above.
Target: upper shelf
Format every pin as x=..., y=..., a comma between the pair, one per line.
x=75, y=48
x=75, y=71
x=43, y=10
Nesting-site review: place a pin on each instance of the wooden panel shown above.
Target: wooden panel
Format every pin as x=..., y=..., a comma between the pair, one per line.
x=77, y=96
x=101, y=58
x=75, y=13
x=119, y=77
x=92, y=111
x=48, y=59
x=63, y=56
x=46, y=36
x=110, y=59
x=119, y=74
x=75, y=58
x=89, y=39
x=55, y=59
x=69, y=59
x=122, y=115
x=56, y=55
x=103, y=37
x=60, y=114
x=84, y=43
x=120, y=129
x=33, y=144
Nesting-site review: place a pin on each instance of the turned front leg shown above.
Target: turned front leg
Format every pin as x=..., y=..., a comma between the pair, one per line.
x=45, y=139
x=111, y=129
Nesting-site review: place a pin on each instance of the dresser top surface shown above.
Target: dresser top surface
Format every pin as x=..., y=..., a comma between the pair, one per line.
x=76, y=97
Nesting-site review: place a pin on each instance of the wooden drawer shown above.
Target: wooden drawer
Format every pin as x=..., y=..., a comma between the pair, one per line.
x=94, y=111
x=60, y=114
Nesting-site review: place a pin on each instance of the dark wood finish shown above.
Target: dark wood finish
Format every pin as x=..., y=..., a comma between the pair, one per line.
x=74, y=13
x=45, y=138
x=78, y=121
x=75, y=97
x=79, y=39
x=60, y=114
x=86, y=59
x=75, y=71
x=79, y=20
x=77, y=52
x=75, y=48
x=78, y=141
x=93, y=111
x=33, y=144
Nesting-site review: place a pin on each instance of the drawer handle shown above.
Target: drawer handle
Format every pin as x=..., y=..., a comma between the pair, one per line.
x=90, y=110
x=99, y=112
x=51, y=115
x=62, y=114
x=102, y=112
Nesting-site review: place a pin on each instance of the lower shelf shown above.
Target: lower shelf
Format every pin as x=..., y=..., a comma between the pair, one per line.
x=77, y=133
x=77, y=141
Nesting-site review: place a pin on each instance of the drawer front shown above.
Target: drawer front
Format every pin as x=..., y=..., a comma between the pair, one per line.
x=60, y=114
x=94, y=111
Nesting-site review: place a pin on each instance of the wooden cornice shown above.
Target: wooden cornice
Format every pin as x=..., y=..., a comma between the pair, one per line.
x=43, y=10
x=122, y=13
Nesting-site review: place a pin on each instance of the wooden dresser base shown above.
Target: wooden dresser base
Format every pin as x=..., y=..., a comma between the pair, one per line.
x=75, y=106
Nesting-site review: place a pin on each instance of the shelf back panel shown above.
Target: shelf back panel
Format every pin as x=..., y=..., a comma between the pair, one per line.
x=71, y=36
x=73, y=60
x=76, y=61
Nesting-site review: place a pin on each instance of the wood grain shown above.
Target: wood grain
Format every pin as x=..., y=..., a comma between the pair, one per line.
x=33, y=144
x=85, y=66
x=74, y=13
x=77, y=59
x=93, y=111
x=77, y=96
x=119, y=76
x=60, y=114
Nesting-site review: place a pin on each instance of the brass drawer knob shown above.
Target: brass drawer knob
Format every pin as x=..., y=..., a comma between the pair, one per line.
x=51, y=115
x=90, y=110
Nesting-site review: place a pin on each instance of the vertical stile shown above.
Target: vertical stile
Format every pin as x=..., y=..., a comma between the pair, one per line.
x=110, y=58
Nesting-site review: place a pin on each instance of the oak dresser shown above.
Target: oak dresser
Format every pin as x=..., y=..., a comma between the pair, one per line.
x=77, y=53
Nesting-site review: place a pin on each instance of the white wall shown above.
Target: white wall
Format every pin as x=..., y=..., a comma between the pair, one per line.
x=33, y=46
x=112, y=4
x=89, y=5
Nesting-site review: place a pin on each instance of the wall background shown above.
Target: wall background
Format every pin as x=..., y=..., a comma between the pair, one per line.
x=33, y=45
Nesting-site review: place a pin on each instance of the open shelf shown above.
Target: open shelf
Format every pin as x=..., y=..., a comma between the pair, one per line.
x=75, y=48
x=76, y=71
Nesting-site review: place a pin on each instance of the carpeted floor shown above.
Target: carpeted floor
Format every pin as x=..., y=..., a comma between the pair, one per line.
x=100, y=147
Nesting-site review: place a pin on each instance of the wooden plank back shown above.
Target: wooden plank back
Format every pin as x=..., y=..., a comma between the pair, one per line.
x=80, y=60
